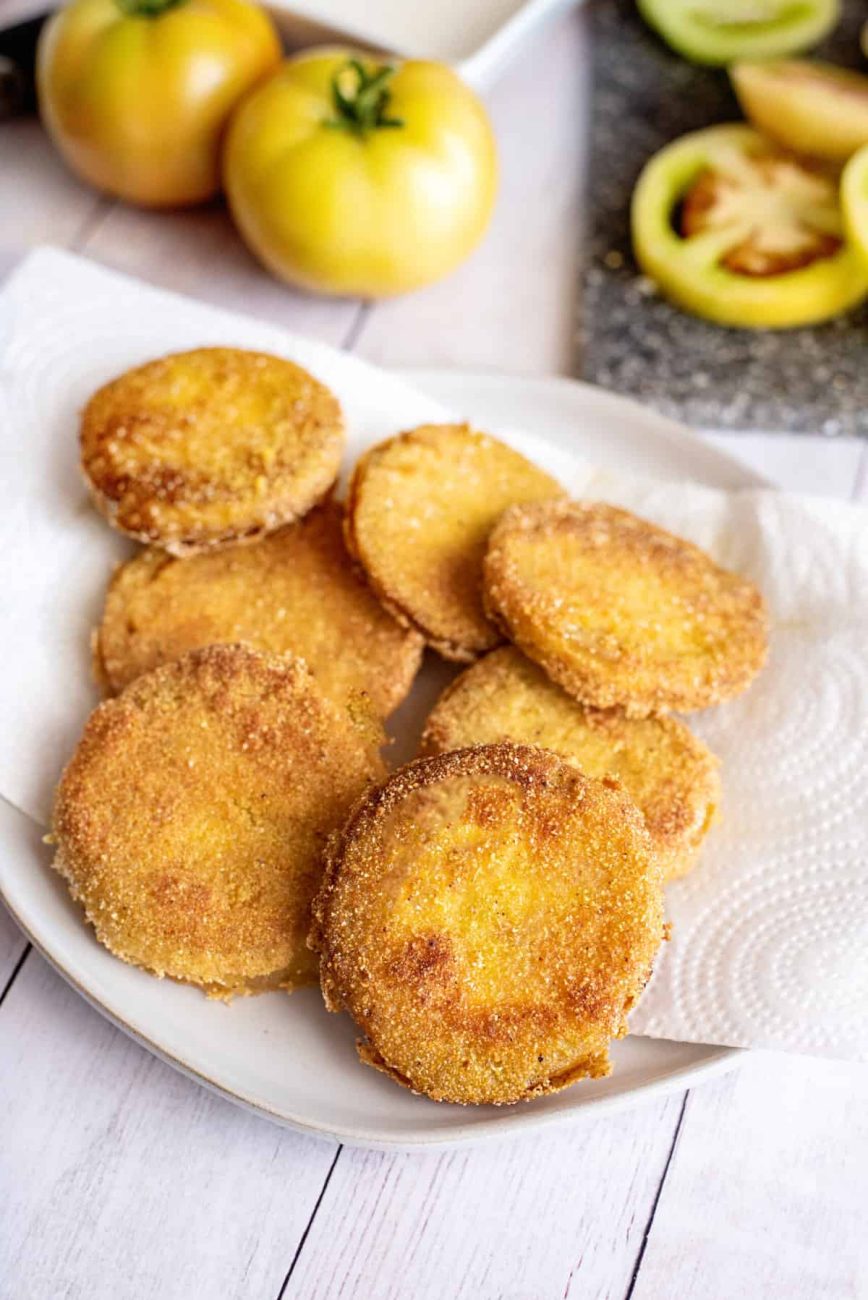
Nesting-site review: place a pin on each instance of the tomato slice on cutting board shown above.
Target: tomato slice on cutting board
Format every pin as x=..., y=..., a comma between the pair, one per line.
x=720, y=31
x=734, y=230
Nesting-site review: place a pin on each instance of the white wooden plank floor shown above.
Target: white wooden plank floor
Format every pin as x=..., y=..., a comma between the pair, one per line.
x=121, y=1180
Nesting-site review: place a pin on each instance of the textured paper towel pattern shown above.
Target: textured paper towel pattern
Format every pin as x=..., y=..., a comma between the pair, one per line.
x=771, y=930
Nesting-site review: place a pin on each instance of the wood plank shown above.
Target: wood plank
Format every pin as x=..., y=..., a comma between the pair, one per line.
x=199, y=253
x=543, y=1217
x=121, y=1177
x=12, y=947
x=40, y=201
x=766, y=1190
x=860, y=488
x=512, y=306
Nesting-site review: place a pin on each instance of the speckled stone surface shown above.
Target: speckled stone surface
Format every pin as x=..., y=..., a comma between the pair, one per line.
x=631, y=341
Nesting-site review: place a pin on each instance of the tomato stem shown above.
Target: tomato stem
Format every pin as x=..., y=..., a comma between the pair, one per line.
x=147, y=8
x=361, y=98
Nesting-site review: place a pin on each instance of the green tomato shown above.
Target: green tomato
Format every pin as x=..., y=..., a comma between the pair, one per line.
x=347, y=176
x=720, y=31
x=735, y=232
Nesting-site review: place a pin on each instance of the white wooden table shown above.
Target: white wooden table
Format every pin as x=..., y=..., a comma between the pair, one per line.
x=121, y=1180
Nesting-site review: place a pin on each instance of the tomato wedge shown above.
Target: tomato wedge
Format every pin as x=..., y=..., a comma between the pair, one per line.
x=719, y=31
x=736, y=231
x=808, y=106
x=854, y=201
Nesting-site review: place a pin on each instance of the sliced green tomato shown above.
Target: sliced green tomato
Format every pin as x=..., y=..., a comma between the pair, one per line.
x=753, y=208
x=812, y=108
x=854, y=202
x=720, y=31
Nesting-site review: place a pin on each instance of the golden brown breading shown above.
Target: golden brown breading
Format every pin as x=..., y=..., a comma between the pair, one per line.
x=488, y=917
x=191, y=819
x=420, y=508
x=620, y=612
x=668, y=773
x=211, y=446
x=295, y=591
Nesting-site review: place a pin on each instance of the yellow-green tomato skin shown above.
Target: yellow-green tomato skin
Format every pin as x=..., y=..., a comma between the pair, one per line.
x=137, y=105
x=366, y=214
x=854, y=201
x=717, y=32
x=689, y=272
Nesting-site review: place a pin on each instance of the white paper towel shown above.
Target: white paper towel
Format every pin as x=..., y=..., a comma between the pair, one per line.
x=770, y=944
x=770, y=932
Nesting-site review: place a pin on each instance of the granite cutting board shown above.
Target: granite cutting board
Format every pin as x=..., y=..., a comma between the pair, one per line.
x=807, y=380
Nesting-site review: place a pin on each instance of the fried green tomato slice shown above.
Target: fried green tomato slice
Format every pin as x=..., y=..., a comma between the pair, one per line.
x=742, y=233
x=419, y=511
x=668, y=773
x=620, y=612
x=294, y=591
x=489, y=917
x=190, y=821
x=211, y=446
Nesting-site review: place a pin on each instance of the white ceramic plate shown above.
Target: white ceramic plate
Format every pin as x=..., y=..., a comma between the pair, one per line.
x=286, y=1058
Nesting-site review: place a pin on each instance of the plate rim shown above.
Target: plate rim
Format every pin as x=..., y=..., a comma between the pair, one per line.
x=665, y=428
x=719, y=1059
